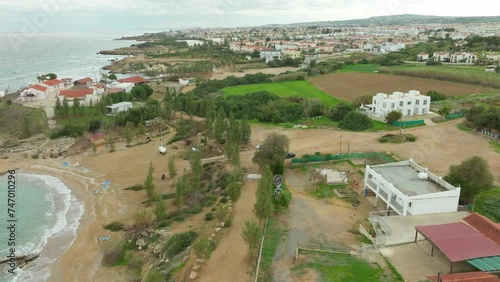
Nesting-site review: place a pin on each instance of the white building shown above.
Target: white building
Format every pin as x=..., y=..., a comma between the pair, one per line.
x=119, y=107
x=270, y=55
x=463, y=57
x=411, y=103
x=292, y=53
x=126, y=86
x=423, y=57
x=441, y=56
x=186, y=81
x=84, y=95
x=409, y=189
x=388, y=47
x=53, y=85
x=35, y=92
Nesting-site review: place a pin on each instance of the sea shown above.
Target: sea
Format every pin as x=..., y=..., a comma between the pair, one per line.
x=68, y=55
x=47, y=214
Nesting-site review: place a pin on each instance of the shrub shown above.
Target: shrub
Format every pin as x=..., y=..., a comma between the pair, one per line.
x=113, y=253
x=178, y=243
x=435, y=96
x=209, y=216
x=135, y=187
x=355, y=121
x=114, y=226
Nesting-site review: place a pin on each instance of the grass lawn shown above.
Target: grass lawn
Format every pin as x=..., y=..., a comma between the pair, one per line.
x=324, y=191
x=360, y=68
x=344, y=267
x=488, y=204
x=495, y=145
x=284, y=89
x=463, y=127
x=275, y=234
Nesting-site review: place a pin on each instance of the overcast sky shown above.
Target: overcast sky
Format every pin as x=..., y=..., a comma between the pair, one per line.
x=141, y=16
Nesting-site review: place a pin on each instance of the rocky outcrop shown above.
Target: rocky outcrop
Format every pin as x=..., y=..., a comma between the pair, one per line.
x=20, y=261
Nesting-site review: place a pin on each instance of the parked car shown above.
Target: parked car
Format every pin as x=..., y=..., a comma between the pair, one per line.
x=290, y=155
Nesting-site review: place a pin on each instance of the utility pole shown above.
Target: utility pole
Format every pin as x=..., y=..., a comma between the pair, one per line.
x=340, y=153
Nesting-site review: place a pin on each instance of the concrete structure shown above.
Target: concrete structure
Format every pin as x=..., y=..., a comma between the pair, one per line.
x=119, y=107
x=126, y=86
x=35, y=92
x=185, y=81
x=333, y=177
x=84, y=95
x=411, y=103
x=270, y=55
x=409, y=189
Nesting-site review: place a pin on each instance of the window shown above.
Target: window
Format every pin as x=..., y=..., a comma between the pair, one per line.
x=384, y=105
x=401, y=103
x=425, y=102
x=393, y=105
x=417, y=102
x=409, y=102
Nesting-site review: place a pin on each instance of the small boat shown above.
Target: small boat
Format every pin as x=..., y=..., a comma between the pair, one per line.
x=105, y=238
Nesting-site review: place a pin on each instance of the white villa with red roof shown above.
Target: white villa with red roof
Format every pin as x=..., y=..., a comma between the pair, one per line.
x=84, y=95
x=53, y=85
x=35, y=92
x=86, y=81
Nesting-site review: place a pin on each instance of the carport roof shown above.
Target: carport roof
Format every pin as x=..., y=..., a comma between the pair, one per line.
x=490, y=264
x=459, y=241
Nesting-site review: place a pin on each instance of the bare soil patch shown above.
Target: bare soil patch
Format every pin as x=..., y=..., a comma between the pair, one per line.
x=350, y=85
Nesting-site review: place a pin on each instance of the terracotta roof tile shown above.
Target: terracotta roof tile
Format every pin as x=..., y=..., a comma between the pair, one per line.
x=485, y=226
x=133, y=79
x=38, y=87
x=84, y=80
x=467, y=277
x=76, y=93
x=52, y=82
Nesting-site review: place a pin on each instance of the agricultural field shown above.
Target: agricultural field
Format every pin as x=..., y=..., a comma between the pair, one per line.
x=475, y=75
x=460, y=103
x=348, y=86
x=284, y=89
x=368, y=68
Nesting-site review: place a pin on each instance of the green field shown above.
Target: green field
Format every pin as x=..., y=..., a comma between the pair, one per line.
x=370, y=68
x=284, y=89
x=456, y=73
x=344, y=267
x=488, y=204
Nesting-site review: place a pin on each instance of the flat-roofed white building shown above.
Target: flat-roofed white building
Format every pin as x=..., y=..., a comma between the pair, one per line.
x=410, y=189
x=411, y=103
x=119, y=107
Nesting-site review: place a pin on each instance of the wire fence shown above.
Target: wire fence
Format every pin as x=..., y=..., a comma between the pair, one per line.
x=340, y=157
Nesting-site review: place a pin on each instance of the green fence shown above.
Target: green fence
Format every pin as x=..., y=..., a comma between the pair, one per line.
x=340, y=157
x=454, y=116
x=408, y=123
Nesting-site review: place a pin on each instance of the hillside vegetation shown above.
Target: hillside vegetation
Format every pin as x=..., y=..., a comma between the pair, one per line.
x=21, y=122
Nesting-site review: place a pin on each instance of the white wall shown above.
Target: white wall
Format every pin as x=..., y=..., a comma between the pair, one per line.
x=435, y=204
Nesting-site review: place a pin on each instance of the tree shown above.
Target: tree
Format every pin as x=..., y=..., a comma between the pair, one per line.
x=160, y=209
x=51, y=75
x=111, y=143
x=340, y=111
x=251, y=233
x=235, y=155
x=195, y=162
x=94, y=125
x=112, y=76
x=148, y=183
x=393, y=116
x=202, y=247
x=26, y=127
x=65, y=108
x=263, y=206
x=444, y=111
x=220, y=126
x=221, y=212
x=435, y=96
x=128, y=135
x=355, y=121
x=234, y=189
x=138, y=92
x=172, y=171
x=272, y=153
x=472, y=176
x=364, y=99
x=245, y=131
x=179, y=193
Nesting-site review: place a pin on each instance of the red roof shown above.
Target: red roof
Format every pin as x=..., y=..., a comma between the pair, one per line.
x=66, y=79
x=459, y=241
x=466, y=277
x=76, y=93
x=485, y=226
x=84, y=80
x=133, y=79
x=39, y=87
x=52, y=82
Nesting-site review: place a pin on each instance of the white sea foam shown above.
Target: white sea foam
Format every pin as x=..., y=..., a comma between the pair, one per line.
x=56, y=239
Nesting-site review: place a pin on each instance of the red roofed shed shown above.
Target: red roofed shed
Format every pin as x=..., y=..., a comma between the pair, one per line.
x=466, y=277
x=133, y=79
x=76, y=93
